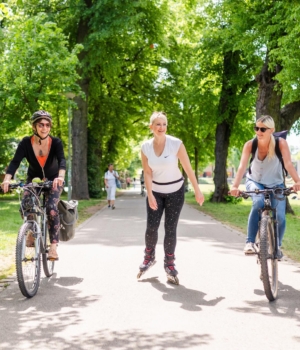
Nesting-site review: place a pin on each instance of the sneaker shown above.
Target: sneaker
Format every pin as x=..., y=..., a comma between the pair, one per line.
x=52, y=255
x=29, y=239
x=113, y=207
x=249, y=248
x=279, y=254
x=108, y=206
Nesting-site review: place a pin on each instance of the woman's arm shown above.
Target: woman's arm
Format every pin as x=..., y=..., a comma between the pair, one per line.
x=286, y=155
x=234, y=191
x=148, y=181
x=186, y=164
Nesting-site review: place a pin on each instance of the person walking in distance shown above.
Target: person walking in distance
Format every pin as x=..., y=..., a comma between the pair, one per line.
x=110, y=184
x=45, y=156
x=165, y=188
x=265, y=171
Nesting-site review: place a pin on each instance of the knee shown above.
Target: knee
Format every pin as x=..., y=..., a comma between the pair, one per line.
x=52, y=212
x=258, y=203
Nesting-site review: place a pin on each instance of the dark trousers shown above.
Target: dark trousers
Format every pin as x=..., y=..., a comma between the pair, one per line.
x=171, y=204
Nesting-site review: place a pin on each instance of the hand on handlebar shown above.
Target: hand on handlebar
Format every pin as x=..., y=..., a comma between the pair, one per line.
x=5, y=186
x=59, y=181
x=235, y=192
x=296, y=186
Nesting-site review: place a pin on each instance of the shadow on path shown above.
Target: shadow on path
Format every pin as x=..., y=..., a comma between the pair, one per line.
x=287, y=304
x=189, y=299
x=31, y=321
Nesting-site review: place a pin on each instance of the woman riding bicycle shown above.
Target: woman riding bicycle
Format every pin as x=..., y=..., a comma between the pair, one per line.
x=266, y=172
x=46, y=159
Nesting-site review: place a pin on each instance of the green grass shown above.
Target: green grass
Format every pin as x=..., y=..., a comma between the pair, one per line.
x=11, y=222
x=236, y=216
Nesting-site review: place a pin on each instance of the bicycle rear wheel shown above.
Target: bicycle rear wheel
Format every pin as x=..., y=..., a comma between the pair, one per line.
x=28, y=262
x=269, y=265
x=48, y=265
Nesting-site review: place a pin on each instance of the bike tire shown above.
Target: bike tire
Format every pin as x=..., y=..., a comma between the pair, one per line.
x=269, y=264
x=28, y=263
x=48, y=265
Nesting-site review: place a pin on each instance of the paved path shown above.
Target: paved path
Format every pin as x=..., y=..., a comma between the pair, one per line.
x=94, y=300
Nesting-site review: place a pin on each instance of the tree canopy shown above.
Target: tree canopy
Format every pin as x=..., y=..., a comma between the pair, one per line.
x=213, y=66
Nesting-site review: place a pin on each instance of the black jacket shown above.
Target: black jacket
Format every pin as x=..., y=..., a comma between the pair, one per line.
x=55, y=161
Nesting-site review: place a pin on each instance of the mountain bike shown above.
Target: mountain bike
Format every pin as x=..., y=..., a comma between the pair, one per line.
x=33, y=242
x=267, y=238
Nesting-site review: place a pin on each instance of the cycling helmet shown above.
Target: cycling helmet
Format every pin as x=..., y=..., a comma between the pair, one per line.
x=41, y=115
x=37, y=116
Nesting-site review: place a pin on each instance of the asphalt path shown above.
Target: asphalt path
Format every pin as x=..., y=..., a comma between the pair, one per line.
x=94, y=300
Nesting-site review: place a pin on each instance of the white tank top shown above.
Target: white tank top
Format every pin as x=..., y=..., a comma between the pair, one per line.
x=267, y=172
x=165, y=167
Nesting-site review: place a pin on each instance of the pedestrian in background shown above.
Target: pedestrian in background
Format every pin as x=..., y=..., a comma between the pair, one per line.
x=110, y=184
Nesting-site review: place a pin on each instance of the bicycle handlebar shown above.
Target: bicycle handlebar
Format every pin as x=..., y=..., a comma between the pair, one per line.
x=278, y=192
x=42, y=185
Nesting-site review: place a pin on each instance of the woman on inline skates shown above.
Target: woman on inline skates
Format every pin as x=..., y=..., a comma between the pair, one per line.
x=165, y=189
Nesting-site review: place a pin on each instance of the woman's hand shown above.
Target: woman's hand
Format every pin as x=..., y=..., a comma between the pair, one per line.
x=235, y=192
x=199, y=197
x=58, y=182
x=5, y=186
x=296, y=186
x=152, y=202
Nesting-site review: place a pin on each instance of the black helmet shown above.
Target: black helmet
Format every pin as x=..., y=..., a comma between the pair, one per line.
x=41, y=115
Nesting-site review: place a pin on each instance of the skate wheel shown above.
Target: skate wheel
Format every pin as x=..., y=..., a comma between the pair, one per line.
x=139, y=274
x=173, y=279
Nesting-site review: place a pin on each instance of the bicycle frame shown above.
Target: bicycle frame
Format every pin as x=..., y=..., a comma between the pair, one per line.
x=40, y=217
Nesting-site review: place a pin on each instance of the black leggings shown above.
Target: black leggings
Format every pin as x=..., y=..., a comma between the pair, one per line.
x=172, y=204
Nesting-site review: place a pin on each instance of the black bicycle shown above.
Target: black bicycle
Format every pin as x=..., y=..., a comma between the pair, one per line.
x=266, y=246
x=33, y=238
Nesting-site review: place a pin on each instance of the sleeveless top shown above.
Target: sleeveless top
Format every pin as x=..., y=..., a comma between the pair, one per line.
x=267, y=172
x=165, y=167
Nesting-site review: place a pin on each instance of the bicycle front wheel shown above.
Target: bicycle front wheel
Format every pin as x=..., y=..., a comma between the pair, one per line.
x=28, y=264
x=48, y=265
x=269, y=265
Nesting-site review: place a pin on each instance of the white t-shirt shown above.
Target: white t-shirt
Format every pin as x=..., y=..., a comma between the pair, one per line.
x=165, y=167
x=109, y=176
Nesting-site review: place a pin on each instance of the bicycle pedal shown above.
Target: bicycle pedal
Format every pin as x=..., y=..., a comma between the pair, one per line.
x=53, y=259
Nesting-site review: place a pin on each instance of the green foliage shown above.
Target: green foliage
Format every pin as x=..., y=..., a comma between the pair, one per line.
x=35, y=67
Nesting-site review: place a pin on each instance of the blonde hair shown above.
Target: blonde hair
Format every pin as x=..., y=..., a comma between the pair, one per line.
x=268, y=121
x=156, y=115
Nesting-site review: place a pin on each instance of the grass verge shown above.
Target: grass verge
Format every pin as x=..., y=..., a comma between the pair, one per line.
x=236, y=216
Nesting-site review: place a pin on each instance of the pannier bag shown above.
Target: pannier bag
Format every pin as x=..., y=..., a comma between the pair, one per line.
x=68, y=214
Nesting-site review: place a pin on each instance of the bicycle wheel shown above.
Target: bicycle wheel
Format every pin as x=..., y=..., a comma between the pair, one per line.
x=48, y=265
x=269, y=266
x=28, y=263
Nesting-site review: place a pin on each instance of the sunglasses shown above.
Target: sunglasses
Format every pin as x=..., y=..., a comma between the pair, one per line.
x=256, y=128
x=42, y=125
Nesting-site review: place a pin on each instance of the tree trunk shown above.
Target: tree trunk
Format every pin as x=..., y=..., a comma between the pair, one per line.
x=227, y=110
x=79, y=148
x=80, y=122
x=220, y=171
x=269, y=99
